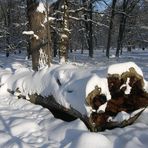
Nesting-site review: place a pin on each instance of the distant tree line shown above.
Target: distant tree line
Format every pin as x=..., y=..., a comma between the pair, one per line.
x=69, y=25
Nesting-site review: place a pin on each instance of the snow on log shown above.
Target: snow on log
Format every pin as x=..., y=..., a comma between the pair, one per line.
x=107, y=98
x=126, y=86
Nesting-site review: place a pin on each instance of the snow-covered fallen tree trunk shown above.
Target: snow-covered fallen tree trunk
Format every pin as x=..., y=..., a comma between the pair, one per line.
x=70, y=114
x=121, y=93
x=58, y=110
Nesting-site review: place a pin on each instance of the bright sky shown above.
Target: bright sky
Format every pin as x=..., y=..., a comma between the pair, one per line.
x=100, y=6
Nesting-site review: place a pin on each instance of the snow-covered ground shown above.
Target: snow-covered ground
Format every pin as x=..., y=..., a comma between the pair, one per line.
x=23, y=124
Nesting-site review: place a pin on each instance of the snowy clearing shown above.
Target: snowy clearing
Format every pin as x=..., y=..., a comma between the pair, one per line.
x=23, y=124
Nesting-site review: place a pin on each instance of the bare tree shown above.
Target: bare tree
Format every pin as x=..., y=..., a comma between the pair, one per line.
x=127, y=8
x=64, y=37
x=110, y=27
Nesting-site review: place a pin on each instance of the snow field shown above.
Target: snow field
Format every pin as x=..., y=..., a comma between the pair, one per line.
x=26, y=125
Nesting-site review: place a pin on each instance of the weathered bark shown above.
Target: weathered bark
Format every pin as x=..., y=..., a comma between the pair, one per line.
x=137, y=97
x=95, y=99
x=88, y=26
x=90, y=39
x=121, y=34
x=40, y=55
x=101, y=123
x=110, y=28
x=127, y=8
x=120, y=100
x=64, y=41
x=121, y=27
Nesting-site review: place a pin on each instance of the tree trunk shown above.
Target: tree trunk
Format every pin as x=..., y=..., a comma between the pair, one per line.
x=90, y=39
x=122, y=27
x=88, y=26
x=40, y=43
x=121, y=34
x=8, y=22
x=64, y=41
x=110, y=28
x=55, y=42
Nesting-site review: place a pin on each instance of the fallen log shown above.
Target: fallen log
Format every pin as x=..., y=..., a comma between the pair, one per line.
x=127, y=94
x=59, y=111
x=96, y=122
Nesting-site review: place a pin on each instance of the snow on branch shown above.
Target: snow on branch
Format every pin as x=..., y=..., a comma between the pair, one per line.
x=31, y=33
x=88, y=20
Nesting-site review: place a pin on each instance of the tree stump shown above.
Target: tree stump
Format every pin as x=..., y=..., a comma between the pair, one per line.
x=127, y=94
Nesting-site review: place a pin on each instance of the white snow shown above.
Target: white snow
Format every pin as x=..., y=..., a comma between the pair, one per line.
x=123, y=67
x=102, y=107
x=43, y=58
x=121, y=116
x=63, y=36
x=100, y=82
x=41, y=7
x=31, y=33
x=28, y=32
x=36, y=36
x=144, y=27
x=90, y=140
x=128, y=88
x=26, y=125
x=62, y=60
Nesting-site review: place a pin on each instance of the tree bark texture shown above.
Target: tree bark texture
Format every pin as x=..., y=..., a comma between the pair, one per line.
x=64, y=39
x=90, y=39
x=110, y=28
x=39, y=42
x=88, y=16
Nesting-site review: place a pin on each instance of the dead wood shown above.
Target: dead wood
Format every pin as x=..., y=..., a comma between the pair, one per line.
x=95, y=98
x=58, y=110
x=96, y=122
x=137, y=98
x=101, y=123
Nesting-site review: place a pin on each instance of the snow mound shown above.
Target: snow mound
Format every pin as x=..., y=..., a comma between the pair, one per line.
x=4, y=75
x=123, y=67
x=21, y=126
x=91, y=140
x=100, y=82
